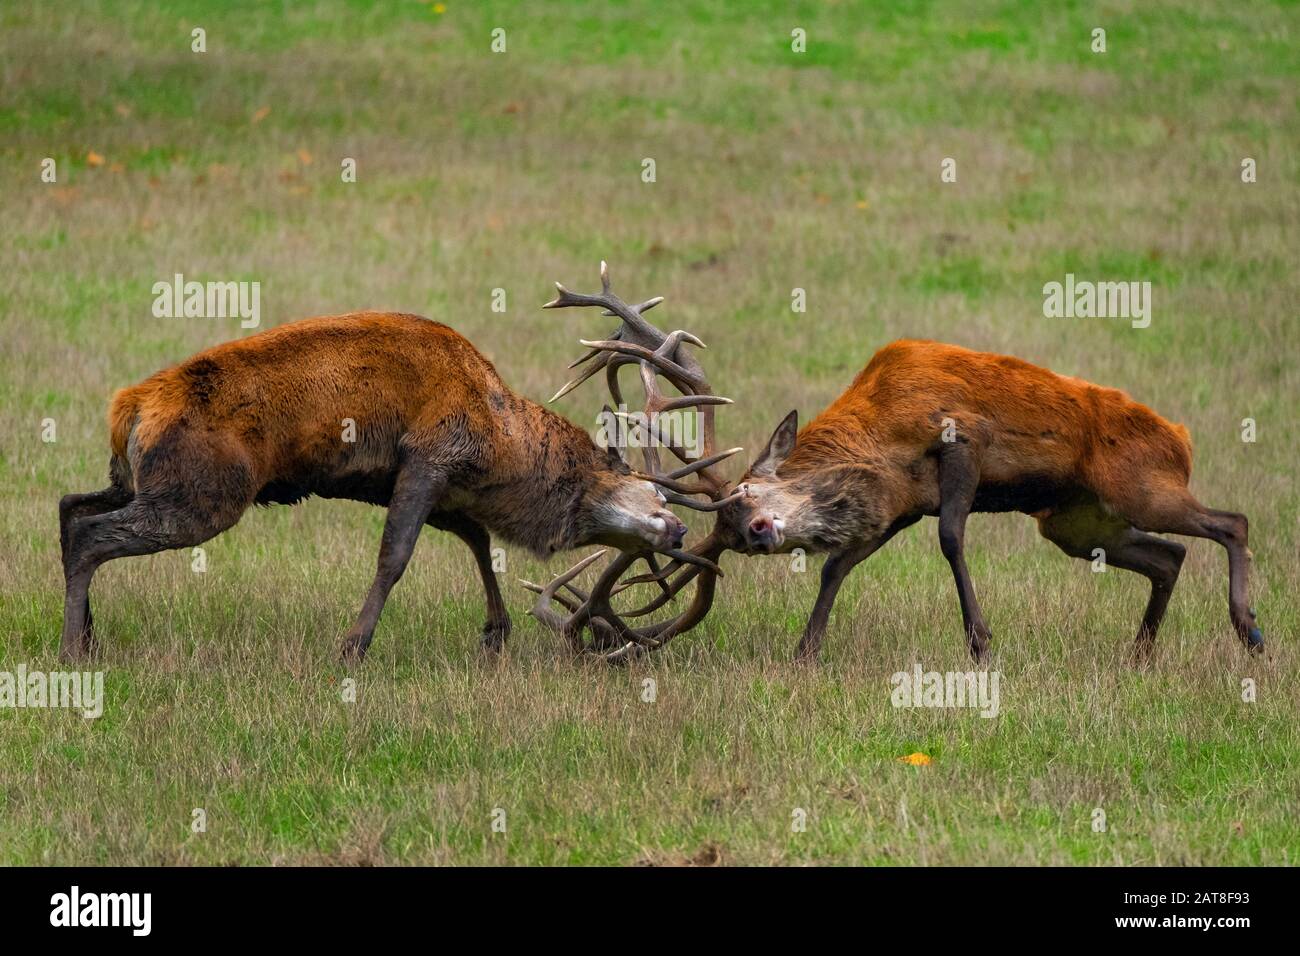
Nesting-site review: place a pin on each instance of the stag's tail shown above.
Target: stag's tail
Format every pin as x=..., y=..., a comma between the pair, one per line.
x=123, y=413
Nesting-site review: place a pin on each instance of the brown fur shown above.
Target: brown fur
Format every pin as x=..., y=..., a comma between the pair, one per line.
x=1096, y=469
x=438, y=437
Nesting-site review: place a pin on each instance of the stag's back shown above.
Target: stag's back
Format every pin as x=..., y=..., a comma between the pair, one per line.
x=1027, y=419
x=288, y=399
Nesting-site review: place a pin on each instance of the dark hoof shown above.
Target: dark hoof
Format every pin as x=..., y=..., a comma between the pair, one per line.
x=353, y=652
x=1255, y=641
x=493, y=639
x=1142, y=653
x=84, y=649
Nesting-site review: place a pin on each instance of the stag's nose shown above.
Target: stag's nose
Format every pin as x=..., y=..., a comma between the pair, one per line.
x=763, y=534
x=674, y=529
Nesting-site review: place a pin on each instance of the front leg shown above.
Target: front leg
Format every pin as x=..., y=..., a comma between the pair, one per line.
x=958, y=480
x=834, y=571
x=415, y=491
x=497, y=627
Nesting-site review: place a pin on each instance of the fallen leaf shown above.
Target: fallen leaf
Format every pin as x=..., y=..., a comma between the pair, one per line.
x=304, y=157
x=94, y=159
x=916, y=760
x=261, y=114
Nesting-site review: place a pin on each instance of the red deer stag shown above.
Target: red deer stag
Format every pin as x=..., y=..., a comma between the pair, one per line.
x=637, y=342
x=439, y=439
x=933, y=429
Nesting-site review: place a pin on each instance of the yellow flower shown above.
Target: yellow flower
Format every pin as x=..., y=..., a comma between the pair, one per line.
x=916, y=760
x=439, y=8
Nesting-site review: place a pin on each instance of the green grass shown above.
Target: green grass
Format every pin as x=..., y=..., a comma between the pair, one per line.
x=775, y=170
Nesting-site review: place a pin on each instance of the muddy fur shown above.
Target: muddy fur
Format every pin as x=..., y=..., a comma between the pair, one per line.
x=394, y=410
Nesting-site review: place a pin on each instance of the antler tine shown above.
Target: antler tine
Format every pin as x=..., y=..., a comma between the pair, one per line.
x=700, y=464
x=718, y=505
x=631, y=315
x=658, y=577
x=641, y=307
x=586, y=374
x=669, y=592
x=542, y=609
x=592, y=353
x=666, y=365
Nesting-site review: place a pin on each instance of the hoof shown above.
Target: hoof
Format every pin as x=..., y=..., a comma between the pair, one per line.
x=84, y=649
x=353, y=652
x=493, y=639
x=1255, y=641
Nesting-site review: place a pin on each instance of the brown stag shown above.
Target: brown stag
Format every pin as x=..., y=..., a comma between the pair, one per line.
x=436, y=437
x=933, y=429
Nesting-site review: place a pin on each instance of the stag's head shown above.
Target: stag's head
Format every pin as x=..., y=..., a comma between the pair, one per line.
x=625, y=511
x=693, y=484
x=769, y=513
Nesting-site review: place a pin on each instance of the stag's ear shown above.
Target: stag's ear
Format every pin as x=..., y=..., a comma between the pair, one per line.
x=778, y=447
x=612, y=430
x=614, y=456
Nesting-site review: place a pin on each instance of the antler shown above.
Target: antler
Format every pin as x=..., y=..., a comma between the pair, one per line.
x=637, y=342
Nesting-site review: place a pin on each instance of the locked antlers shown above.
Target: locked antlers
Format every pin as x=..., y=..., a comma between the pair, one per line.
x=637, y=342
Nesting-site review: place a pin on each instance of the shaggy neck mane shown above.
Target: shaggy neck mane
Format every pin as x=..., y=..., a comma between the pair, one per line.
x=828, y=440
x=541, y=478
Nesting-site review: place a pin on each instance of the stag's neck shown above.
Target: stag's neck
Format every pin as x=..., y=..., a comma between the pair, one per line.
x=533, y=493
x=830, y=440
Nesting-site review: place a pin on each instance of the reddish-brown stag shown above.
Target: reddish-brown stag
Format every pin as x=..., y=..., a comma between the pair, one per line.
x=933, y=429
x=394, y=410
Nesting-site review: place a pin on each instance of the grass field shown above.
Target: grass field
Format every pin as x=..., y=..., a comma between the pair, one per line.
x=774, y=170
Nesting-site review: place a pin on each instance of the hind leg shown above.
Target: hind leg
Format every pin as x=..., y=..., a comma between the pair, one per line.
x=1183, y=514
x=189, y=488
x=958, y=481
x=143, y=526
x=76, y=506
x=497, y=627
x=415, y=492
x=1081, y=530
